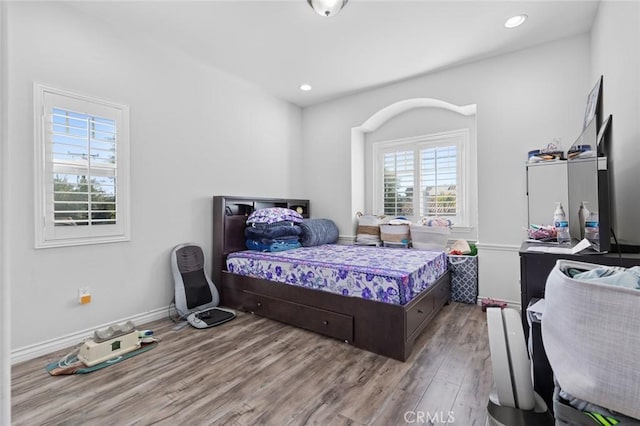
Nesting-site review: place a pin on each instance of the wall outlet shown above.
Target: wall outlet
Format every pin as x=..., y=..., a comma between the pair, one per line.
x=84, y=296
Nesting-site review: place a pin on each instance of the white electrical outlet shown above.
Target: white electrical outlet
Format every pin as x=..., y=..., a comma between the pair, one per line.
x=84, y=296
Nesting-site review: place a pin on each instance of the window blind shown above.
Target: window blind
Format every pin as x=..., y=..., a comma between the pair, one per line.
x=398, y=183
x=83, y=153
x=439, y=181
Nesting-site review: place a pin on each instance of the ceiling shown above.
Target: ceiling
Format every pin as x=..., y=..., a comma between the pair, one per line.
x=279, y=45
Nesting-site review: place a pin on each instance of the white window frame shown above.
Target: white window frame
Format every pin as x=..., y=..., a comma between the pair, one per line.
x=46, y=233
x=459, y=138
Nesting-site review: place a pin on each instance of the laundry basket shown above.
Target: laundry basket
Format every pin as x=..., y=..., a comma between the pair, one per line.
x=464, y=278
x=395, y=233
x=591, y=336
x=432, y=238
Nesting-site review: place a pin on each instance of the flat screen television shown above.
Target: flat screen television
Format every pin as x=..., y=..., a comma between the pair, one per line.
x=588, y=184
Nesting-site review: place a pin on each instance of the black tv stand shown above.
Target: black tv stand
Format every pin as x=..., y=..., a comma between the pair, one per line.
x=625, y=248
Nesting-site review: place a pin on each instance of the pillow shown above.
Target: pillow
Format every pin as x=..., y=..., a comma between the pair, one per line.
x=316, y=232
x=273, y=215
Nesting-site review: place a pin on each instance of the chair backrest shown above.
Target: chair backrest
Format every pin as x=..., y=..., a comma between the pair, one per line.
x=194, y=290
x=509, y=359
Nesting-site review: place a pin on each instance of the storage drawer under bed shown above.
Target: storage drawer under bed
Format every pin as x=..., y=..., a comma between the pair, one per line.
x=424, y=308
x=418, y=313
x=329, y=323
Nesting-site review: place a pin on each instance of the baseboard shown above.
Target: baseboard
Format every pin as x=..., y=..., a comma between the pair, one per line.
x=33, y=351
x=498, y=247
x=346, y=239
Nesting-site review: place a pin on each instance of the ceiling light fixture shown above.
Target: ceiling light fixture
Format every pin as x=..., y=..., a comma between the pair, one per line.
x=305, y=87
x=327, y=7
x=515, y=21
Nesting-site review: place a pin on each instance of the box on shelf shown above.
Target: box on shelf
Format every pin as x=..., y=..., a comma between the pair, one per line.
x=429, y=237
x=464, y=278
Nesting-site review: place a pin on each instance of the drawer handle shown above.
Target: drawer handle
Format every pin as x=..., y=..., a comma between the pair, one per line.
x=259, y=304
x=420, y=311
x=325, y=322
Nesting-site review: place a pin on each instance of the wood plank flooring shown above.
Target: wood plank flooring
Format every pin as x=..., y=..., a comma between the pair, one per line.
x=257, y=371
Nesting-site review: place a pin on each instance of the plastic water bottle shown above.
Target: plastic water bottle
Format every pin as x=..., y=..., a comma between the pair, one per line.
x=561, y=224
x=592, y=228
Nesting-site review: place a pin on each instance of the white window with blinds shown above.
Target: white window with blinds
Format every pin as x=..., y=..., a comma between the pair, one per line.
x=82, y=169
x=423, y=176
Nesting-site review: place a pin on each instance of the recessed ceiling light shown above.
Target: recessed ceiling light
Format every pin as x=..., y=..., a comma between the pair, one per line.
x=305, y=87
x=515, y=21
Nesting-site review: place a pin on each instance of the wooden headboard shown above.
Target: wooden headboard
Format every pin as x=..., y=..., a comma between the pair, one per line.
x=229, y=217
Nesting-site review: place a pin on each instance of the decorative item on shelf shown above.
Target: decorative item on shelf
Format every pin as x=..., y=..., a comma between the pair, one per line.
x=553, y=151
x=327, y=7
x=580, y=151
x=594, y=106
x=541, y=232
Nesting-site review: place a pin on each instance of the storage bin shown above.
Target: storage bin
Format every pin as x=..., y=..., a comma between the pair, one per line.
x=368, y=232
x=464, y=278
x=429, y=237
x=395, y=245
x=395, y=233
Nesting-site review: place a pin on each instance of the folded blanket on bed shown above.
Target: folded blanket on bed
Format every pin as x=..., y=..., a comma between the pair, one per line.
x=316, y=232
x=273, y=246
x=274, y=214
x=272, y=231
x=286, y=239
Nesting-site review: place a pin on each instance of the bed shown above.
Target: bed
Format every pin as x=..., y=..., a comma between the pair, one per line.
x=384, y=316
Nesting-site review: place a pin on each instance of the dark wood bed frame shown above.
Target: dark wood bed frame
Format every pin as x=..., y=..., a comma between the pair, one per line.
x=382, y=328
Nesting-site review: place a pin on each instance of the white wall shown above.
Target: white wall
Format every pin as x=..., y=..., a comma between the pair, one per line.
x=195, y=132
x=615, y=54
x=524, y=100
x=5, y=292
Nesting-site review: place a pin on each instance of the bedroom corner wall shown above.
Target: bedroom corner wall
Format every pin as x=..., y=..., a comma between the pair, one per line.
x=524, y=100
x=196, y=132
x=5, y=305
x=615, y=54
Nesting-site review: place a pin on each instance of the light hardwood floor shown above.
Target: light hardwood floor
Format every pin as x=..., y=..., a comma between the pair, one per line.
x=257, y=371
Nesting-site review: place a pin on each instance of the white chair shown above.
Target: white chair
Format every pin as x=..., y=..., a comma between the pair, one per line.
x=513, y=401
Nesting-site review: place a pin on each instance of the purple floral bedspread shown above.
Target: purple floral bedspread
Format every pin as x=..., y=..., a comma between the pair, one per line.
x=389, y=275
